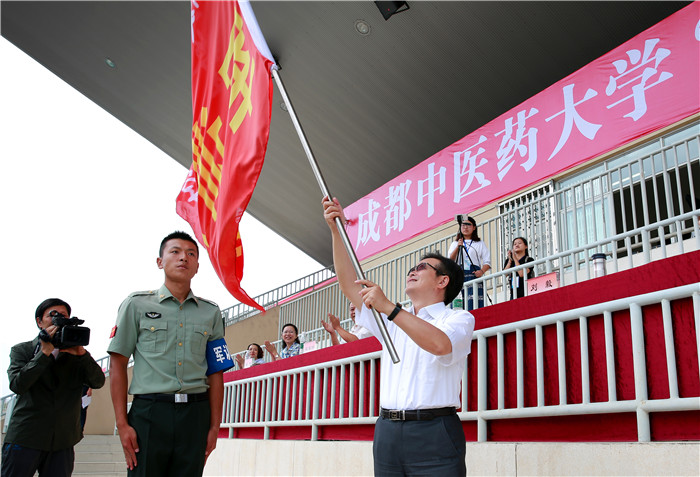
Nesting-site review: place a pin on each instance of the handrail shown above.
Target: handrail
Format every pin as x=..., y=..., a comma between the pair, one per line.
x=491, y=281
x=286, y=398
x=595, y=247
x=518, y=219
x=674, y=156
x=307, y=310
x=270, y=299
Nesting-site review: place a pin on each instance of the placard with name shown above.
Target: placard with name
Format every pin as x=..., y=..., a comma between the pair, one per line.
x=543, y=283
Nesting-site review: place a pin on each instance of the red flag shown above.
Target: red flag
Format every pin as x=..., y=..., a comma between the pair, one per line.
x=231, y=104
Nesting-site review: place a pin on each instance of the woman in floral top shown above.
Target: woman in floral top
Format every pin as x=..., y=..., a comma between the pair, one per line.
x=290, y=343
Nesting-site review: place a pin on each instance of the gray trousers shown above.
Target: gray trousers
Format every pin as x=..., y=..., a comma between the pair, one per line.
x=428, y=448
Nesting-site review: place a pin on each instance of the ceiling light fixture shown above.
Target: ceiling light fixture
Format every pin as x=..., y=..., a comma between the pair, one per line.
x=110, y=63
x=362, y=27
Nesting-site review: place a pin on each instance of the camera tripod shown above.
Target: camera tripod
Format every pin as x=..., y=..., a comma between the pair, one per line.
x=469, y=274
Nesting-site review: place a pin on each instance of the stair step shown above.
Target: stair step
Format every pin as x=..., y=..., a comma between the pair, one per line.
x=98, y=447
x=99, y=456
x=102, y=474
x=94, y=468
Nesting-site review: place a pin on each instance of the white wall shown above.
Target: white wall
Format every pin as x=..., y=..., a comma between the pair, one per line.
x=243, y=457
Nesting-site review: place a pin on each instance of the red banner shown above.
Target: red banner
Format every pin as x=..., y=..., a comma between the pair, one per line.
x=648, y=83
x=231, y=104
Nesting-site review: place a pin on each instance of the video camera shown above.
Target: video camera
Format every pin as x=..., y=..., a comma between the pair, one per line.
x=460, y=218
x=69, y=332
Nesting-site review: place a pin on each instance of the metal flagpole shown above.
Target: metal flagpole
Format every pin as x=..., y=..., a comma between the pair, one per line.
x=338, y=223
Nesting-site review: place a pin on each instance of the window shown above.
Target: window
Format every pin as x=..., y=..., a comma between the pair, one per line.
x=530, y=215
x=648, y=184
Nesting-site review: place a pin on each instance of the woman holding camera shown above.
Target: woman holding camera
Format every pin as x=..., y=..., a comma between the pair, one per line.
x=471, y=253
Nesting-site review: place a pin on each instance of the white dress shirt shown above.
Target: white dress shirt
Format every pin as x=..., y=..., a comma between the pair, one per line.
x=357, y=330
x=422, y=380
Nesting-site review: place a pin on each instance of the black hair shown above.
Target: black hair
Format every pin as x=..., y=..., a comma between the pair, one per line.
x=48, y=303
x=451, y=270
x=178, y=234
x=296, y=330
x=475, y=233
x=527, y=247
x=260, y=352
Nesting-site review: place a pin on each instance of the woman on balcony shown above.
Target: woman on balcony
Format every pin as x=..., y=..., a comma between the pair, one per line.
x=255, y=354
x=472, y=255
x=518, y=255
x=290, y=343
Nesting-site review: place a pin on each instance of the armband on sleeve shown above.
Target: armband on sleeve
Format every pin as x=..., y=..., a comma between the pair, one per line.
x=218, y=357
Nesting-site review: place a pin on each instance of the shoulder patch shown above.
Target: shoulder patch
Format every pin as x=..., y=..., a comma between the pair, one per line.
x=143, y=293
x=207, y=301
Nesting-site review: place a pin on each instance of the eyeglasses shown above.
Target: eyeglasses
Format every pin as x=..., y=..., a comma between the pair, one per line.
x=423, y=266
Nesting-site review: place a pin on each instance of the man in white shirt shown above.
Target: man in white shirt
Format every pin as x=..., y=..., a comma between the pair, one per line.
x=418, y=431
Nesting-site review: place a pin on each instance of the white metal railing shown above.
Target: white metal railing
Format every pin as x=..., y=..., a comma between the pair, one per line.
x=317, y=335
x=269, y=299
x=641, y=404
x=565, y=226
x=667, y=169
x=573, y=266
x=342, y=393
x=307, y=311
x=306, y=396
x=574, y=269
x=8, y=404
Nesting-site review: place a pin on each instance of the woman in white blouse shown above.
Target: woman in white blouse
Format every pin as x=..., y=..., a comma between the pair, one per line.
x=471, y=253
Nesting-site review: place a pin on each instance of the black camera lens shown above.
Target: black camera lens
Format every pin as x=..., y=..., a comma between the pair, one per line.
x=69, y=332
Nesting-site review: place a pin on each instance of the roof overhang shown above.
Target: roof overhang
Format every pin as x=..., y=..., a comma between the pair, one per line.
x=372, y=106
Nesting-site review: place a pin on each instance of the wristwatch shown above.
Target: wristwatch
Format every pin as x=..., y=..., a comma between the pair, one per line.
x=395, y=312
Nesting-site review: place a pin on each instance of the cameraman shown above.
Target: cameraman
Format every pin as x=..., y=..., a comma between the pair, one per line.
x=45, y=424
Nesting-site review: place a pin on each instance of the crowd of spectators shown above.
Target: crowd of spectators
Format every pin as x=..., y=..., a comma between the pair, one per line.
x=468, y=250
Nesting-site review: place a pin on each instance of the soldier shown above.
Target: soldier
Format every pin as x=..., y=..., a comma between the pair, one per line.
x=174, y=419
